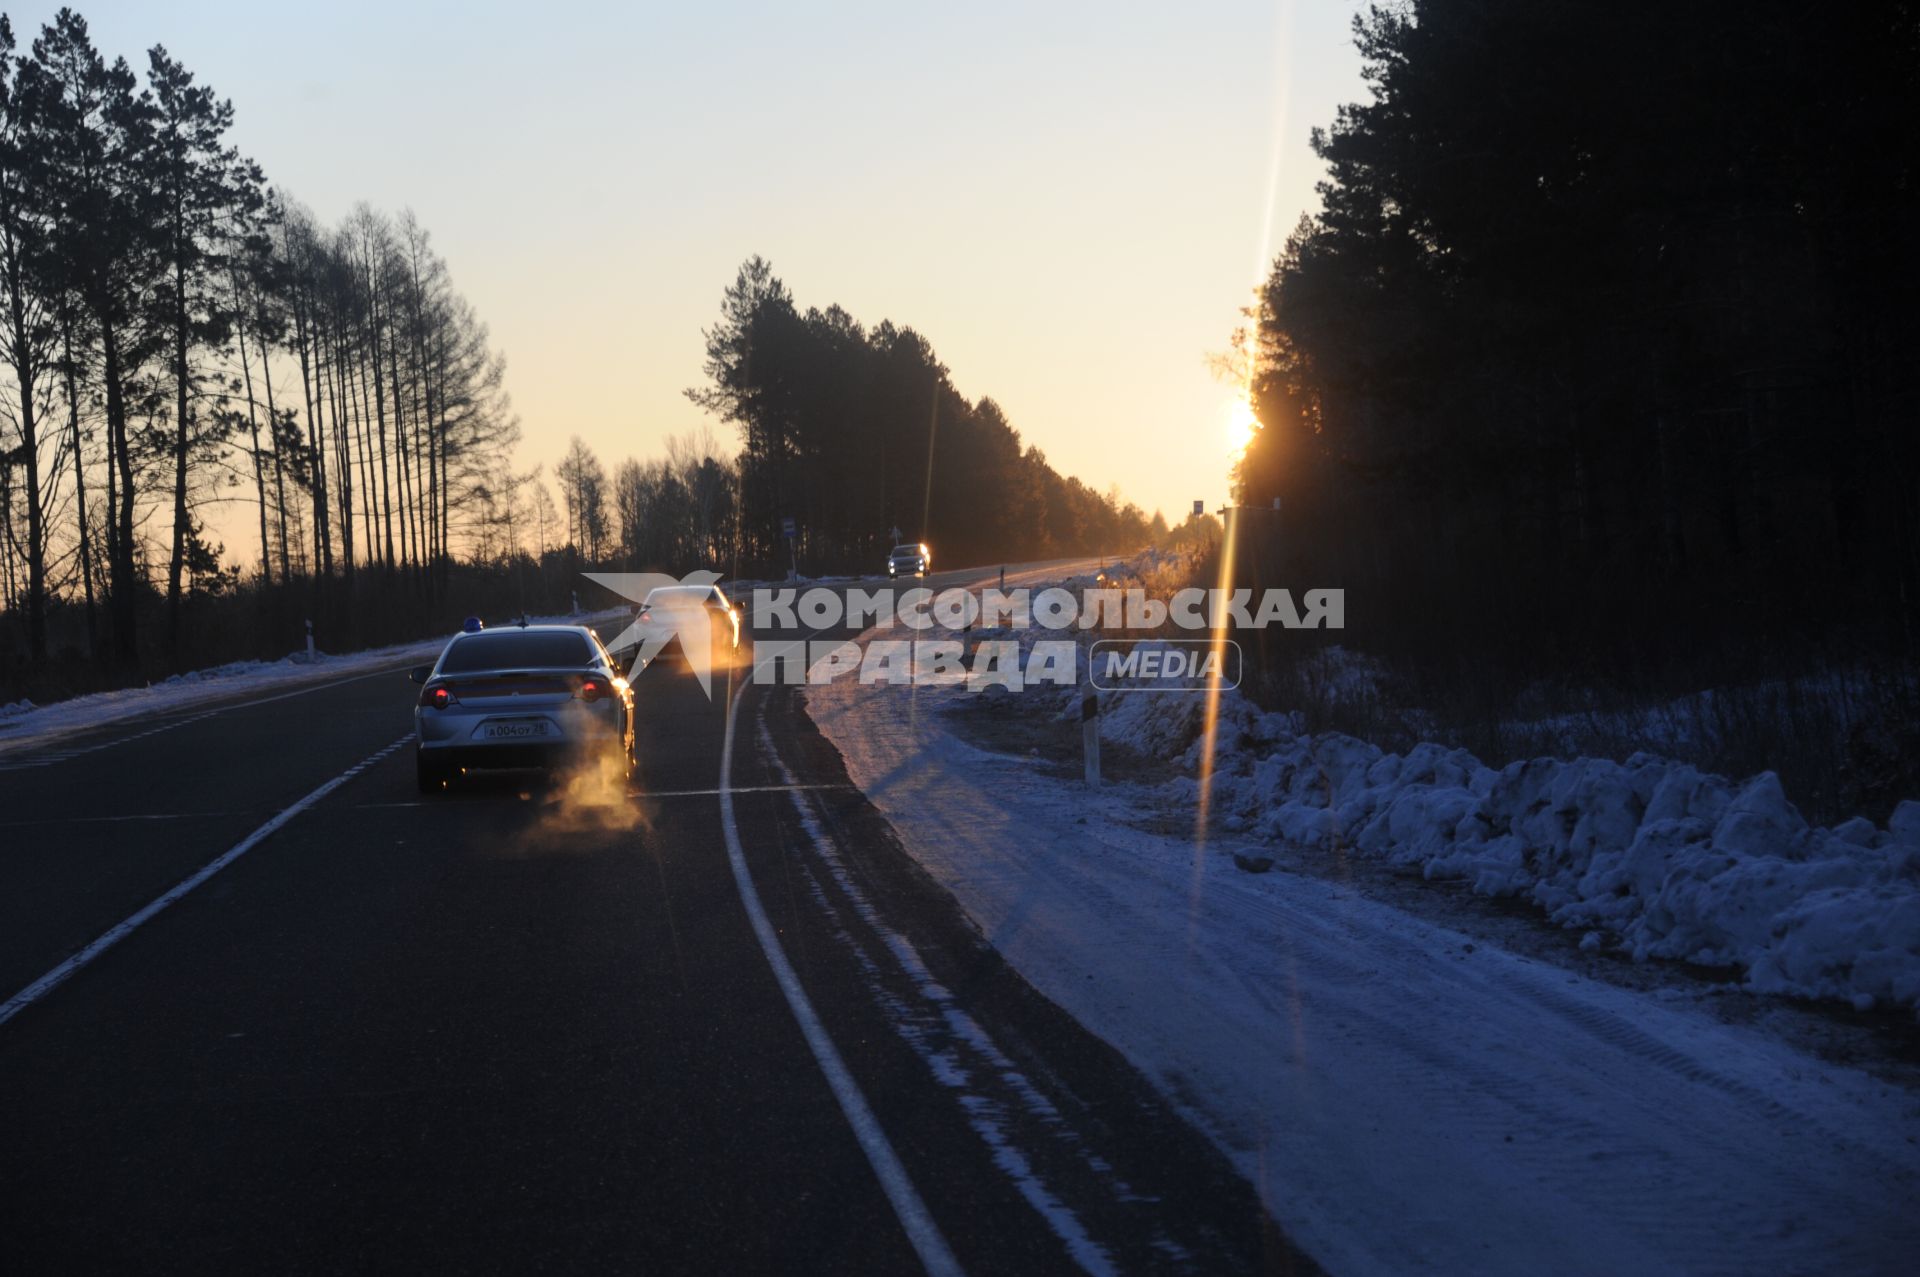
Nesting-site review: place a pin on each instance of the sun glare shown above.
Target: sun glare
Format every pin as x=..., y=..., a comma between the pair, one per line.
x=1240, y=425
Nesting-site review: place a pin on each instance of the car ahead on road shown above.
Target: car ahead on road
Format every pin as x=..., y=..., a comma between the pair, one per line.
x=910, y=560
x=672, y=616
x=528, y=696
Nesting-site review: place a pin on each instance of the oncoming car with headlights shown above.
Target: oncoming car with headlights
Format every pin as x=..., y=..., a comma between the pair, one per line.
x=530, y=696
x=910, y=560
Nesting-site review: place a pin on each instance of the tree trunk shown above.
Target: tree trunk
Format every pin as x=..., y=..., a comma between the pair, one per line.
x=126, y=590
x=79, y=476
x=370, y=369
x=253, y=430
x=26, y=369
x=177, y=561
x=316, y=448
x=279, y=467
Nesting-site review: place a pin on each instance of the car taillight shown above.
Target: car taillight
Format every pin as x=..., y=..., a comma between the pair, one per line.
x=438, y=697
x=591, y=689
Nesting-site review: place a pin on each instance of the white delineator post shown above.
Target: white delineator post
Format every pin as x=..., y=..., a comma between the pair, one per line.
x=309, y=641
x=1090, y=728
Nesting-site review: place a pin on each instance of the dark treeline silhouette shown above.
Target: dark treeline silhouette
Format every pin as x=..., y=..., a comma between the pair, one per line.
x=1593, y=379
x=172, y=335
x=1597, y=362
x=853, y=433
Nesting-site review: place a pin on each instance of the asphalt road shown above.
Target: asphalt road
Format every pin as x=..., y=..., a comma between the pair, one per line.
x=520, y=1027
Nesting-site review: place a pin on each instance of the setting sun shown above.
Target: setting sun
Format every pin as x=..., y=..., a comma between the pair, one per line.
x=1241, y=424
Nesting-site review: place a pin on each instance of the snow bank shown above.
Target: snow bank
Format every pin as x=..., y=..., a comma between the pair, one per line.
x=1663, y=859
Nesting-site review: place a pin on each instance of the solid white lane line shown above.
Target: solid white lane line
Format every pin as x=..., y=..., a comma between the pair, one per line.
x=120, y=931
x=924, y=1235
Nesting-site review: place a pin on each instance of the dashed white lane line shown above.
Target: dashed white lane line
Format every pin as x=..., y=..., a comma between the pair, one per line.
x=922, y=1232
x=121, y=930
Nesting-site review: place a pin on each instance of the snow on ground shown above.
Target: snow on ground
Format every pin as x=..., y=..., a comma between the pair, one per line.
x=1405, y=1099
x=24, y=725
x=1651, y=855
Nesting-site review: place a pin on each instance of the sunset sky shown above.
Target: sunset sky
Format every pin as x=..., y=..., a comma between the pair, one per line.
x=1071, y=201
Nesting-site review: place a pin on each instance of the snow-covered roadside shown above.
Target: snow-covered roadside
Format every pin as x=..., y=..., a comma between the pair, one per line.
x=24, y=725
x=1649, y=855
x=1403, y=1098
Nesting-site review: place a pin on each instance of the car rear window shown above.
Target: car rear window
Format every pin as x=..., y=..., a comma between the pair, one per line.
x=679, y=597
x=508, y=651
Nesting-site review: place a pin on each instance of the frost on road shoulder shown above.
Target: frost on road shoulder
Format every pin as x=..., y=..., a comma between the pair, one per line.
x=1405, y=1099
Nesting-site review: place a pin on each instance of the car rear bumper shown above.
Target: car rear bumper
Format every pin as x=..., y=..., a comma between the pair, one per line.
x=510, y=754
x=571, y=731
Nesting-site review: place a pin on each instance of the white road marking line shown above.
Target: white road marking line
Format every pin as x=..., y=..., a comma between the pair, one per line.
x=120, y=931
x=985, y=1114
x=924, y=1235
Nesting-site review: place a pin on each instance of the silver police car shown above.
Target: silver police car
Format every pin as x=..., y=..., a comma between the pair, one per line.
x=525, y=696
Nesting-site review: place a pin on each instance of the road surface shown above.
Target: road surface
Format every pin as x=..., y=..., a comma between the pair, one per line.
x=522, y=1027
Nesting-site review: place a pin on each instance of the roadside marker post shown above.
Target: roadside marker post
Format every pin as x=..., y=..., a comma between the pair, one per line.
x=1090, y=724
x=1090, y=734
x=309, y=640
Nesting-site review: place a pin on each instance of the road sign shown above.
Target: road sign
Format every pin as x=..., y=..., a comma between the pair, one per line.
x=786, y=528
x=1199, y=507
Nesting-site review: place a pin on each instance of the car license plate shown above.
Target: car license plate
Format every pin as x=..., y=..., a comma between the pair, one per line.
x=522, y=730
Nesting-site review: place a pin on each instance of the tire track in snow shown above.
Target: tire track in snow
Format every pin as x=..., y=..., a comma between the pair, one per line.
x=946, y=1038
